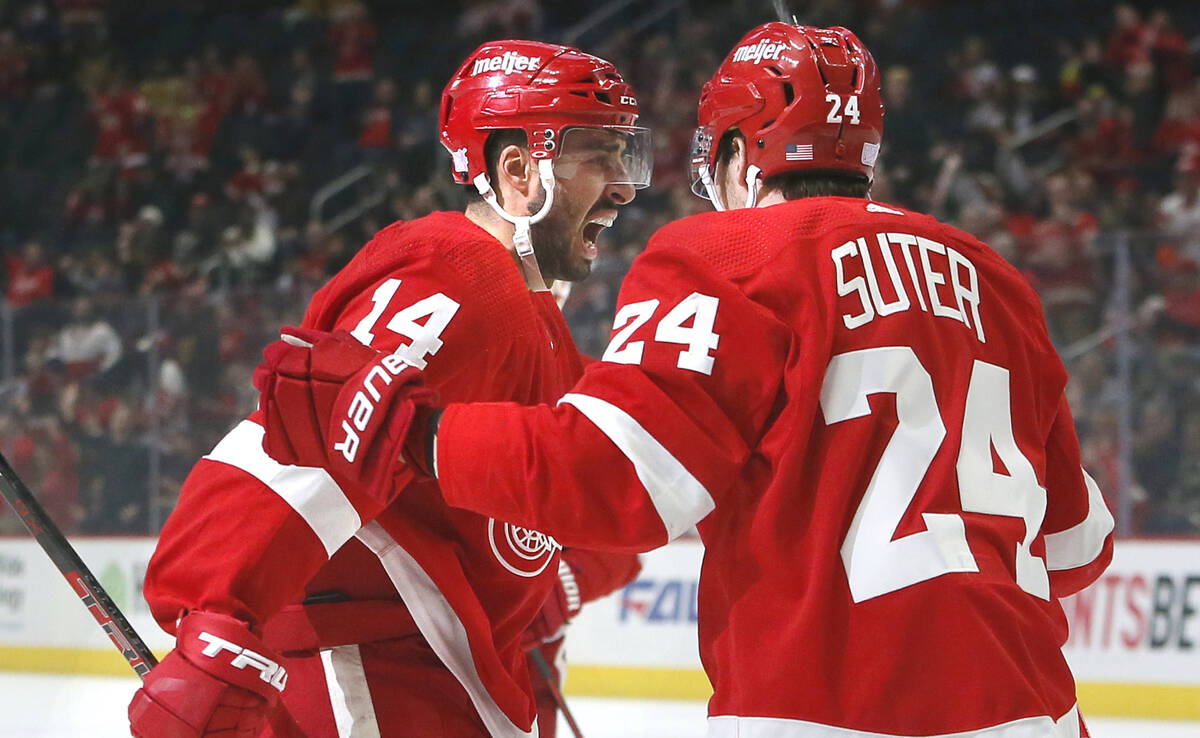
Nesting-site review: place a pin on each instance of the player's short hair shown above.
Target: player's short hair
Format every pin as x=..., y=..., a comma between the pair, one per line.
x=497, y=141
x=818, y=183
x=795, y=185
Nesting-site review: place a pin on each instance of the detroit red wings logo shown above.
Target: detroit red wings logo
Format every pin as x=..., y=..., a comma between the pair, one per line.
x=523, y=551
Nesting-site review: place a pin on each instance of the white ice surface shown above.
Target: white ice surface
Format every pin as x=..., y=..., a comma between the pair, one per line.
x=52, y=706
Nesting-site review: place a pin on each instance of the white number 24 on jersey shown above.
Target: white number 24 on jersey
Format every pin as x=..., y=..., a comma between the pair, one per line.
x=876, y=562
x=698, y=337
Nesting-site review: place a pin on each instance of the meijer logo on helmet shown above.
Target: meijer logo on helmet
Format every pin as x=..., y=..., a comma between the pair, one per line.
x=763, y=50
x=509, y=62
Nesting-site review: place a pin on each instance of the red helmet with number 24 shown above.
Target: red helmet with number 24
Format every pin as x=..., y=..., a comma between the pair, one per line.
x=805, y=98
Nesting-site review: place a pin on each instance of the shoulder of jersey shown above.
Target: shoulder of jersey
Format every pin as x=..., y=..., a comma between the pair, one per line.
x=981, y=254
x=732, y=243
x=740, y=241
x=445, y=240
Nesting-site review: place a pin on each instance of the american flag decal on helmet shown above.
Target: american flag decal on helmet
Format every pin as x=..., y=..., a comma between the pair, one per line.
x=798, y=152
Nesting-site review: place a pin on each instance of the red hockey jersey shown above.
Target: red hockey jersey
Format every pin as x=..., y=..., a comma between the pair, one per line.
x=861, y=408
x=251, y=536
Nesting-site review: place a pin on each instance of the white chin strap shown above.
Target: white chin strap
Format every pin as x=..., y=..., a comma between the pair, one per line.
x=752, y=186
x=521, y=223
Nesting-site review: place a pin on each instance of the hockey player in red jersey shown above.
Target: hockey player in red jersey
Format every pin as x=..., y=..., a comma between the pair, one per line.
x=858, y=405
x=370, y=612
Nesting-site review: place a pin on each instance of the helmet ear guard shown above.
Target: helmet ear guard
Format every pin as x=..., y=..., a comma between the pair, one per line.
x=703, y=182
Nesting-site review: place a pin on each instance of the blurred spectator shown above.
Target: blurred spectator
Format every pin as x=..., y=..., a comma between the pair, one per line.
x=1130, y=40
x=1027, y=105
x=1169, y=50
x=14, y=65
x=119, y=114
x=1180, y=125
x=379, y=121
x=201, y=228
x=45, y=457
x=87, y=343
x=141, y=242
x=1180, y=286
x=30, y=277
x=115, y=477
x=1179, y=212
x=248, y=182
x=1177, y=512
x=1057, y=250
x=231, y=267
x=1084, y=73
x=352, y=39
x=909, y=128
x=483, y=20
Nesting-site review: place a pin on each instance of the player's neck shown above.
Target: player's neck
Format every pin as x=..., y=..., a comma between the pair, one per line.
x=482, y=215
x=770, y=197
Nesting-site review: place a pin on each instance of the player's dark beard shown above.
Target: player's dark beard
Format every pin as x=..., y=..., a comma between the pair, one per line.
x=553, y=240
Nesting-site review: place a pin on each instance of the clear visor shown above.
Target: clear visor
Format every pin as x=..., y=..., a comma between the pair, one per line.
x=698, y=161
x=620, y=155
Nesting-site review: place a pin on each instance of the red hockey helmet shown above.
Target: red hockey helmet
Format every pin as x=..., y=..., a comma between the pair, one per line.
x=805, y=98
x=541, y=89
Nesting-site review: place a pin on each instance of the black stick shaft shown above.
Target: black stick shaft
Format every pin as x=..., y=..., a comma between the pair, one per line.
x=548, y=674
x=86, y=587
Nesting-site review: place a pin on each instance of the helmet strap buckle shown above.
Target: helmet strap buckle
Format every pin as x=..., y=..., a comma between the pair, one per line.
x=752, y=185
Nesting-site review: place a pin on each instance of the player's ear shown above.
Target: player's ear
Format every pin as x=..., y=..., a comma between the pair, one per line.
x=737, y=159
x=516, y=170
x=731, y=172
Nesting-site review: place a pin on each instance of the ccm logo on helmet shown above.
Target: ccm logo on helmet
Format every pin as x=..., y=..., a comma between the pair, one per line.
x=509, y=62
x=362, y=407
x=762, y=51
x=269, y=671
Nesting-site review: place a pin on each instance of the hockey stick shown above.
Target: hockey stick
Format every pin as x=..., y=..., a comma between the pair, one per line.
x=89, y=590
x=86, y=587
x=548, y=674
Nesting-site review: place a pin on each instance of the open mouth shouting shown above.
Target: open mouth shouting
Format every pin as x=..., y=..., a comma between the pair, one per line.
x=592, y=229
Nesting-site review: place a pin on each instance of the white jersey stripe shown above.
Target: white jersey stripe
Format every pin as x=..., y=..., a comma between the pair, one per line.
x=310, y=491
x=680, y=499
x=1081, y=544
x=349, y=696
x=440, y=625
x=733, y=726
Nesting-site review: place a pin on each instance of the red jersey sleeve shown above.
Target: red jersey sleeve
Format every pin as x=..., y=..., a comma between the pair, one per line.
x=598, y=573
x=1078, y=524
x=652, y=436
x=248, y=533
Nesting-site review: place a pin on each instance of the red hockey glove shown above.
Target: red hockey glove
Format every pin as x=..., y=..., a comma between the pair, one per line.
x=329, y=401
x=562, y=605
x=219, y=680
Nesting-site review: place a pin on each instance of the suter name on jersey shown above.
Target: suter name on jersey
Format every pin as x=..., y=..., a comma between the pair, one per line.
x=942, y=279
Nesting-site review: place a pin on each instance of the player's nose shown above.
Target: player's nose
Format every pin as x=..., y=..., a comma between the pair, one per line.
x=620, y=194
